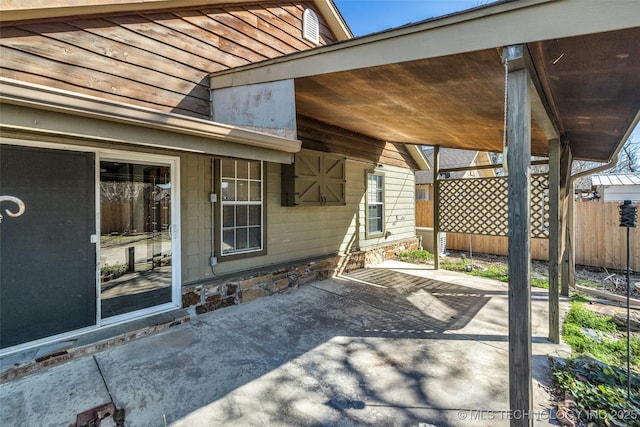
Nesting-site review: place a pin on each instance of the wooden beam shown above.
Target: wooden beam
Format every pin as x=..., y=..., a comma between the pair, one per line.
x=519, y=198
x=492, y=166
x=566, y=194
x=436, y=206
x=554, y=240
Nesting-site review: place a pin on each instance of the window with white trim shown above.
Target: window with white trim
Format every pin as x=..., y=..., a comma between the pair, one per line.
x=375, y=203
x=241, y=190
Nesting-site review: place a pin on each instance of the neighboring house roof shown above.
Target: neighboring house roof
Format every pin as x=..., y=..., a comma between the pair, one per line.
x=616, y=179
x=449, y=158
x=17, y=10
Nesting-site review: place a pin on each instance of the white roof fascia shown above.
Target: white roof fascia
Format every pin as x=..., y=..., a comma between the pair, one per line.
x=488, y=27
x=50, y=99
x=416, y=154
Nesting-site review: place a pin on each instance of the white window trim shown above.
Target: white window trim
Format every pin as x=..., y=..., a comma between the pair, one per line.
x=261, y=203
x=176, y=276
x=368, y=233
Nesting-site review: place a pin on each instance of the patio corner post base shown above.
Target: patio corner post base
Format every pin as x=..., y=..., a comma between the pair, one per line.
x=519, y=196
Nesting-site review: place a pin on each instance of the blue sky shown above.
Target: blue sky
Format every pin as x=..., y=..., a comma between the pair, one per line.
x=370, y=16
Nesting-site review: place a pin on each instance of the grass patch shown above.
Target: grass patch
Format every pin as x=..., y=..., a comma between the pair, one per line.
x=595, y=378
x=419, y=256
x=500, y=273
x=607, y=346
x=446, y=264
x=495, y=272
x=578, y=297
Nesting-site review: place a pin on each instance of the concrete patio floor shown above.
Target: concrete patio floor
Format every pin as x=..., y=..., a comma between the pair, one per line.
x=389, y=345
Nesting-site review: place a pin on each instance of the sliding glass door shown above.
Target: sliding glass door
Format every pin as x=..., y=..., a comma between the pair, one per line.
x=88, y=238
x=136, y=237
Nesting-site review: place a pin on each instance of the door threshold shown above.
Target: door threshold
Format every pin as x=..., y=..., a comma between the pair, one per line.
x=32, y=359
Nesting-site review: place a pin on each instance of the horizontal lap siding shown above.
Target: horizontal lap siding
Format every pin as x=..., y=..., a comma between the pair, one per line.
x=196, y=184
x=303, y=232
x=399, y=198
x=320, y=136
x=159, y=60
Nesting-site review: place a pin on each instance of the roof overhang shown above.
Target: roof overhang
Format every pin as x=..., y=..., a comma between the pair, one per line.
x=441, y=82
x=31, y=109
x=19, y=10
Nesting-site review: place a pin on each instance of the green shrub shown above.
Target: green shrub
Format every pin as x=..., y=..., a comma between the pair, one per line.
x=599, y=392
x=610, y=346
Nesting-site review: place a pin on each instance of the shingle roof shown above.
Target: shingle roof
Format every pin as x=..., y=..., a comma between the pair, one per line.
x=449, y=158
x=614, y=179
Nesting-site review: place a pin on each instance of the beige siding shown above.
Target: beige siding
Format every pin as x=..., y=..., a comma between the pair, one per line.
x=196, y=217
x=293, y=233
x=399, y=192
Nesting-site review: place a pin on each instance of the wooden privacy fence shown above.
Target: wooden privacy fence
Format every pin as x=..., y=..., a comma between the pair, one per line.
x=599, y=240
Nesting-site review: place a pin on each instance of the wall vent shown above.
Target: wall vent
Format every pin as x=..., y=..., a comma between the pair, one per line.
x=310, y=26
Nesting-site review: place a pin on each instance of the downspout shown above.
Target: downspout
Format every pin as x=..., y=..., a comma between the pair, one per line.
x=597, y=169
x=614, y=159
x=572, y=264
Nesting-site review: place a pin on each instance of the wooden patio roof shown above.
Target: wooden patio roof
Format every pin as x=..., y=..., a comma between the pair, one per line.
x=441, y=81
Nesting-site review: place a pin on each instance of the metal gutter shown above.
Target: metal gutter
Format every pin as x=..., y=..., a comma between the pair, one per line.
x=614, y=158
x=19, y=93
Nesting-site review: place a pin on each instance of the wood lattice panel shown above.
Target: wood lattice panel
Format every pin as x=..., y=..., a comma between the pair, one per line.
x=479, y=206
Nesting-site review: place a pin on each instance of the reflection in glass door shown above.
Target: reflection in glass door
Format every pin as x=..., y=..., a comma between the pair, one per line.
x=135, y=237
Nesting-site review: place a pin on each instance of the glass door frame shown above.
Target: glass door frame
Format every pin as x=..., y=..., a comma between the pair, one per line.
x=122, y=155
x=173, y=162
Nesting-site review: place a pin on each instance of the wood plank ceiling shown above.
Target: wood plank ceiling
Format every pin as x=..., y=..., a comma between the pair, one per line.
x=454, y=101
x=457, y=101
